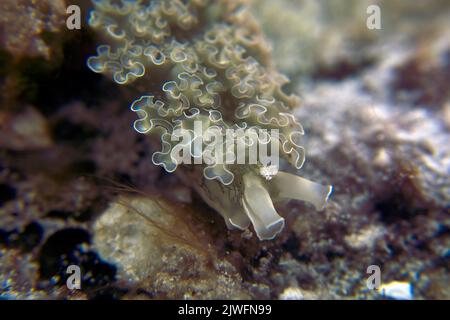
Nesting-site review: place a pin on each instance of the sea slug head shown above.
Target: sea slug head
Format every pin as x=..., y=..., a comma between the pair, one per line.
x=250, y=200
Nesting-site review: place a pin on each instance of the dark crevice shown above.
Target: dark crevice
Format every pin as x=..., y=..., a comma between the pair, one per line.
x=25, y=240
x=7, y=193
x=342, y=69
x=396, y=207
x=68, y=247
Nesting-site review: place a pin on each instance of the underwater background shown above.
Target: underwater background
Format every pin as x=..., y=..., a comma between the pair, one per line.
x=78, y=187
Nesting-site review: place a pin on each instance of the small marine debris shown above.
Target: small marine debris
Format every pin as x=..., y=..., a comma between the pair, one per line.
x=397, y=290
x=268, y=171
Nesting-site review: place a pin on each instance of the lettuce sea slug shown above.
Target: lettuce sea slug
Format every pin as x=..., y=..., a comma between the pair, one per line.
x=211, y=96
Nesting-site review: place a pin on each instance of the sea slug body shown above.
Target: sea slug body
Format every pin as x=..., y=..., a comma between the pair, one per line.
x=205, y=65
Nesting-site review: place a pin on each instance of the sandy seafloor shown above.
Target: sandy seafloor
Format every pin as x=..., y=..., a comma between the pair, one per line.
x=77, y=186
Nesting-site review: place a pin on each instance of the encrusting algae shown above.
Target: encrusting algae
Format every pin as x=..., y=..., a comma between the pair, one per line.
x=204, y=70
